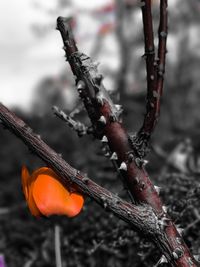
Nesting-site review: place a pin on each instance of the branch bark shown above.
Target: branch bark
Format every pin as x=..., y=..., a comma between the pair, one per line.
x=107, y=124
x=141, y=217
x=155, y=68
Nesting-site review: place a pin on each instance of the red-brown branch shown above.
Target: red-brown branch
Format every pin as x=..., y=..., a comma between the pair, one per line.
x=155, y=68
x=106, y=123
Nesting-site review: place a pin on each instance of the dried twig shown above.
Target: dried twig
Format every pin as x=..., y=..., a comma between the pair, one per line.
x=77, y=126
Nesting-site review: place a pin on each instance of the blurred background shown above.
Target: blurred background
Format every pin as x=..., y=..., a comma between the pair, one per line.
x=34, y=77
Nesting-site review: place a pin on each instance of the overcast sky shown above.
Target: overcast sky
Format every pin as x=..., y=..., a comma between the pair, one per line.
x=24, y=58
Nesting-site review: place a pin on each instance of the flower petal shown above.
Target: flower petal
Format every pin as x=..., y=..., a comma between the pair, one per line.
x=27, y=184
x=25, y=177
x=50, y=195
x=74, y=204
x=31, y=203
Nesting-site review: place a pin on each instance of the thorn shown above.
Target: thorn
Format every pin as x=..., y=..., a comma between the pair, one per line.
x=100, y=100
x=105, y=205
x=164, y=209
x=107, y=154
x=118, y=107
x=85, y=180
x=175, y=255
x=163, y=34
x=123, y=166
x=137, y=180
x=180, y=230
x=156, y=94
x=80, y=85
x=197, y=257
x=104, y=139
x=179, y=252
x=145, y=162
x=114, y=156
x=102, y=119
x=158, y=189
x=178, y=240
x=152, y=77
x=163, y=223
x=142, y=186
x=190, y=262
x=152, y=104
x=129, y=213
x=163, y=259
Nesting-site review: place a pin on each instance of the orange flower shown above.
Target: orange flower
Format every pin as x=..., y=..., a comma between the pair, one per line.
x=46, y=196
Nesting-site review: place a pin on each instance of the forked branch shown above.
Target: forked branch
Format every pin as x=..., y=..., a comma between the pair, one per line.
x=155, y=68
x=107, y=125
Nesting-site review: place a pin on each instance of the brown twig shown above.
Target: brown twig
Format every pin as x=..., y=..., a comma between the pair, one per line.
x=107, y=125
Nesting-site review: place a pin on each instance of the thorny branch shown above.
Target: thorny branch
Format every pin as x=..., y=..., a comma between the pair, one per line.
x=107, y=125
x=155, y=68
x=141, y=217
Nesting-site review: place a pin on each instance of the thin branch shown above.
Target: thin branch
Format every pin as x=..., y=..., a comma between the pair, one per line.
x=107, y=125
x=155, y=68
x=77, y=126
x=124, y=48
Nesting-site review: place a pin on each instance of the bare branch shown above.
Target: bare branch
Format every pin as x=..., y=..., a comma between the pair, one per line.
x=155, y=68
x=141, y=217
x=107, y=125
x=77, y=126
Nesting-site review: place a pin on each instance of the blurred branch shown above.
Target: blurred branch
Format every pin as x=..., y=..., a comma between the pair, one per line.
x=155, y=68
x=123, y=46
x=107, y=125
x=77, y=126
x=57, y=246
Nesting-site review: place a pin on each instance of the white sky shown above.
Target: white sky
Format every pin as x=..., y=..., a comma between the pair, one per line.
x=24, y=58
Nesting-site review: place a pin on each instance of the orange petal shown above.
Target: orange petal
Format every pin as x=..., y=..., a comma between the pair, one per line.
x=27, y=184
x=74, y=204
x=50, y=196
x=45, y=195
x=42, y=170
x=31, y=203
x=25, y=177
